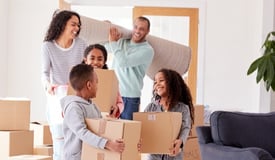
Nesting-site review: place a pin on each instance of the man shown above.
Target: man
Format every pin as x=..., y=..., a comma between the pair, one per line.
x=132, y=57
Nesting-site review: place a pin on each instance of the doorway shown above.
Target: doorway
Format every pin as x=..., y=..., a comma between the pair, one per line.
x=189, y=17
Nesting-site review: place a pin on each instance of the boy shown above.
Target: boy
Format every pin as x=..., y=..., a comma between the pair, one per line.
x=78, y=107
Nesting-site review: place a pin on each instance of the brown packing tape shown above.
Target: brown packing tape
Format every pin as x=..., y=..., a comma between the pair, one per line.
x=102, y=126
x=100, y=156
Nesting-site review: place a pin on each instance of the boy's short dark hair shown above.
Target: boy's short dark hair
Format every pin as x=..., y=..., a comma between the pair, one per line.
x=79, y=75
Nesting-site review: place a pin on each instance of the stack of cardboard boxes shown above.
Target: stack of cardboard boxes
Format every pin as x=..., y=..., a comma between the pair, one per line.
x=43, y=144
x=191, y=149
x=16, y=138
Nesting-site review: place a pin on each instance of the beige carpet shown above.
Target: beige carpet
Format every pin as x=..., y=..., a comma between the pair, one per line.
x=168, y=54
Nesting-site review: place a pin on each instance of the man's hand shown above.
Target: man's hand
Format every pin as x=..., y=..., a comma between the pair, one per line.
x=114, y=34
x=114, y=112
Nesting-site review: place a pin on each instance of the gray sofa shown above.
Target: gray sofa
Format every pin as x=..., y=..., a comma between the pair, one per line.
x=238, y=136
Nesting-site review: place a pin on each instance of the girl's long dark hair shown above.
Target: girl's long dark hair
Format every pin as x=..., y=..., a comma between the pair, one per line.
x=101, y=48
x=177, y=90
x=58, y=24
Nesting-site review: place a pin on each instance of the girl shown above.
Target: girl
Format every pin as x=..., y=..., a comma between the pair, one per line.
x=61, y=50
x=171, y=94
x=96, y=56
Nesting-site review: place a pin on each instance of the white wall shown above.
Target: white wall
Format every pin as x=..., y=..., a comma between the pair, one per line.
x=267, y=99
x=233, y=37
x=3, y=46
x=28, y=21
x=231, y=42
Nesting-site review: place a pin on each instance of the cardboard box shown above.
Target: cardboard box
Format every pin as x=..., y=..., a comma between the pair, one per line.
x=15, y=143
x=107, y=89
x=46, y=150
x=42, y=134
x=30, y=157
x=198, y=119
x=127, y=130
x=14, y=114
x=191, y=150
x=70, y=91
x=159, y=130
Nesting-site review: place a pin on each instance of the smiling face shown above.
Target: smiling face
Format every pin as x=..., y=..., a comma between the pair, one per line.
x=72, y=27
x=160, y=86
x=95, y=58
x=140, y=31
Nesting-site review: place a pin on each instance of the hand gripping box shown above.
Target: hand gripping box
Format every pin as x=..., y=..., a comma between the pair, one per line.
x=158, y=131
x=113, y=129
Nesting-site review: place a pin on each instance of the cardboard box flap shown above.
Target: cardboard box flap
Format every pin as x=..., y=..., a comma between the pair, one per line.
x=101, y=127
x=42, y=133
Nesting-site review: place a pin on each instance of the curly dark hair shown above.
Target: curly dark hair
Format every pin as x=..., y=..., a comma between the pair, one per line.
x=177, y=89
x=58, y=24
x=100, y=47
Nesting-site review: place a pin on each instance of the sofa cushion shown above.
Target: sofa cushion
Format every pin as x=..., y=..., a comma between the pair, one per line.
x=243, y=130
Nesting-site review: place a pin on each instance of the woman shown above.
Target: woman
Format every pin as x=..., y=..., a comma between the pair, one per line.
x=61, y=50
x=171, y=94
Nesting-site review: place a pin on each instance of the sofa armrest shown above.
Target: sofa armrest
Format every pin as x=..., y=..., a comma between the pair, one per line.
x=204, y=134
x=212, y=151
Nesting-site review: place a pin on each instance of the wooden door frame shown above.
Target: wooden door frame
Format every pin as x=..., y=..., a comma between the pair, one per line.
x=193, y=14
x=64, y=5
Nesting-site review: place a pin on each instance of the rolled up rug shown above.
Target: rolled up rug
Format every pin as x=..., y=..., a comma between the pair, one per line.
x=168, y=54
